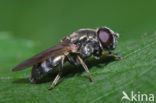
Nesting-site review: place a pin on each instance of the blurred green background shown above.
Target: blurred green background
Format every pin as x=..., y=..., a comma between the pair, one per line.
x=48, y=21
x=30, y=26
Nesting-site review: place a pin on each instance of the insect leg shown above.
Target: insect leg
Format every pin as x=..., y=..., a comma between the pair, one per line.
x=116, y=56
x=85, y=67
x=113, y=55
x=58, y=75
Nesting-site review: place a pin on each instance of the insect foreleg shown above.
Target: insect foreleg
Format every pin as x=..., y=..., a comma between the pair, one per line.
x=115, y=56
x=112, y=55
x=58, y=75
x=85, y=67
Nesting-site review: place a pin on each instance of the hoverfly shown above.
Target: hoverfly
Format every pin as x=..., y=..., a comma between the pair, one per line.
x=74, y=48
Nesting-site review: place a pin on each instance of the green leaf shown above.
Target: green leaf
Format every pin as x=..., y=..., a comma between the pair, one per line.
x=136, y=72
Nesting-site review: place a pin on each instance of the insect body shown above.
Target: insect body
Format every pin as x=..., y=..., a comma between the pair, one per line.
x=73, y=48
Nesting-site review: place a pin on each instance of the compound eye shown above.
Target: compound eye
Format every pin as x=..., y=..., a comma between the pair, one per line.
x=104, y=36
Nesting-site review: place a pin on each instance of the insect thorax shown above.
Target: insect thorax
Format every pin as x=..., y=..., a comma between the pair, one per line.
x=86, y=40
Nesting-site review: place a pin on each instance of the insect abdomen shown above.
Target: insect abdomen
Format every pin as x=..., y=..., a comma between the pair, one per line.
x=42, y=69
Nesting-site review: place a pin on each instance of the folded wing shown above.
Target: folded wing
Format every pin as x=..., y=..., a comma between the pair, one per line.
x=59, y=49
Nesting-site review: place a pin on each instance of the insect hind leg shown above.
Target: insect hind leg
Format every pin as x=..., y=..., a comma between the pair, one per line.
x=58, y=75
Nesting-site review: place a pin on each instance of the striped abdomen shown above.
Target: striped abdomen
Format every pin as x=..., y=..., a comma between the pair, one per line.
x=42, y=69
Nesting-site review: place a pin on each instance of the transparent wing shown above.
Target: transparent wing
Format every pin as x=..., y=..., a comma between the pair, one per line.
x=51, y=52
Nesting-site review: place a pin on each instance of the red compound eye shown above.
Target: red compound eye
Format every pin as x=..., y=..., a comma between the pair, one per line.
x=105, y=37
